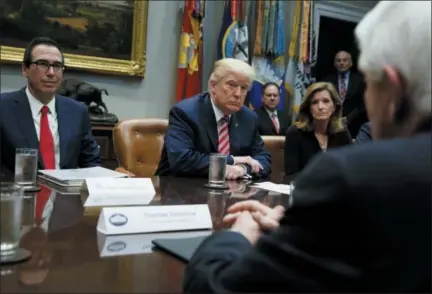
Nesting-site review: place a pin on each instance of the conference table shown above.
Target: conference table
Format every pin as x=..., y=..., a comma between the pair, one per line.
x=66, y=247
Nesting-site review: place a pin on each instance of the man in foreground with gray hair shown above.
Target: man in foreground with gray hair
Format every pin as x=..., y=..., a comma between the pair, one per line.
x=360, y=219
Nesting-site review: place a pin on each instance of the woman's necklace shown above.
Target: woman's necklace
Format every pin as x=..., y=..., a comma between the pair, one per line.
x=322, y=141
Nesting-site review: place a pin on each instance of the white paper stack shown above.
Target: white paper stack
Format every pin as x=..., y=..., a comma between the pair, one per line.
x=76, y=177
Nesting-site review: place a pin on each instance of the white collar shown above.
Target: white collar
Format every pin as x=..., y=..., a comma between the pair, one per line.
x=218, y=113
x=36, y=105
x=274, y=112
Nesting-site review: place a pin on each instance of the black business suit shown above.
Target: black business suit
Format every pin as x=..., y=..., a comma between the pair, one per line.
x=301, y=146
x=353, y=106
x=265, y=123
x=360, y=222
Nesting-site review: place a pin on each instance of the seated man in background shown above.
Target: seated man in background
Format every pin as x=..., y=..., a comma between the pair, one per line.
x=216, y=122
x=360, y=216
x=271, y=121
x=35, y=117
x=365, y=134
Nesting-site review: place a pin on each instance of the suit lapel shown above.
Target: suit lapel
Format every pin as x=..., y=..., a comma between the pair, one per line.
x=63, y=117
x=24, y=117
x=209, y=119
x=234, y=134
x=352, y=85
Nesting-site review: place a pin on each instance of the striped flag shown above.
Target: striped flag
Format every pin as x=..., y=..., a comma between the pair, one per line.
x=269, y=50
x=190, y=52
x=302, y=54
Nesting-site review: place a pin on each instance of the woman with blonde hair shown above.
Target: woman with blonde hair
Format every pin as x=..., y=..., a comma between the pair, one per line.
x=319, y=127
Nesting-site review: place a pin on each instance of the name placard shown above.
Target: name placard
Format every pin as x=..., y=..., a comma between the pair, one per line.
x=119, y=191
x=151, y=219
x=139, y=243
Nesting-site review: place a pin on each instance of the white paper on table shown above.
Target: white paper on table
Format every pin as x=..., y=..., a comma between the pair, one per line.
x=279, y=188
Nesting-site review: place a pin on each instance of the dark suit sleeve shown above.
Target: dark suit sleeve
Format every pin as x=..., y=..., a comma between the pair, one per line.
x=89, y=154
x=180, y=146
x=305, y=254
x=260, y=154
x=361, y=108
x=292, y=151
x=364, y=134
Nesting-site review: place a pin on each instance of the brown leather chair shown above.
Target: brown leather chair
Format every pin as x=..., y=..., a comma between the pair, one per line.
x=275, y=146
x=138, y=145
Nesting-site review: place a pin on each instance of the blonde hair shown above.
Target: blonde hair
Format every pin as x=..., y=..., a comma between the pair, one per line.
x=224, y=67
x=305, y=119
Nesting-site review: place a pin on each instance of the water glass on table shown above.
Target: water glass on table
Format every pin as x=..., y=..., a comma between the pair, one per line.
x=217, y=170
x=10, y=225
x=26, y=161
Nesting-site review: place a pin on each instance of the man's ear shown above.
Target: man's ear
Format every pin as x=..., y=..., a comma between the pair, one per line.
x=24, y=70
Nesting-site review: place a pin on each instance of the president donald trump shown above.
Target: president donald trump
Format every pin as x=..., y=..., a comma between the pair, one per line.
x=216, y=122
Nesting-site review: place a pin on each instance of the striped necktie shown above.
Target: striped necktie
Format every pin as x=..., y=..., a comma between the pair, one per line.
x=224, y=146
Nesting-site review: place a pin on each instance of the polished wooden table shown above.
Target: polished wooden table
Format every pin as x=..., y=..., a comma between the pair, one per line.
x=65, y=252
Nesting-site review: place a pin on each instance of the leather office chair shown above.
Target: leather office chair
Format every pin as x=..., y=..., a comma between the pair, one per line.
x=138, y=145
x=275, y=146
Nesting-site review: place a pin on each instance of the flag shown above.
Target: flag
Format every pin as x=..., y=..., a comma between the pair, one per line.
x=269, y=50
x=301, y=54
x=190, y=52
x=233, y=41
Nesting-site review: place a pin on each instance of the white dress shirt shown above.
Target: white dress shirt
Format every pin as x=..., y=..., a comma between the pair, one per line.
x=36, y=106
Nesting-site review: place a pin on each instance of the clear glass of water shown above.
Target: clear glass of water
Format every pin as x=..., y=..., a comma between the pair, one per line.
x=26, y=161
x=11, y=211
x=217, y=169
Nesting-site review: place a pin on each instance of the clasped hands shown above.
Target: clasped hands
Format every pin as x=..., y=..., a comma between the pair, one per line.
x=237, y=170
x=252, y=218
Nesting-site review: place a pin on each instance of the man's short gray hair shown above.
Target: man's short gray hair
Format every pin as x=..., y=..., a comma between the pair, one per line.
x=398, y=33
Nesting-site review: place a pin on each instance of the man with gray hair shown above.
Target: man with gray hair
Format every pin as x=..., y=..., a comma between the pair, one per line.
x=360, y=217
x=216, y=122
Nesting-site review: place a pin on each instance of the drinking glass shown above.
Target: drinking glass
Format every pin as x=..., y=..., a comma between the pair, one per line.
x=26, y=161
x=217, y=169
x=11, y=211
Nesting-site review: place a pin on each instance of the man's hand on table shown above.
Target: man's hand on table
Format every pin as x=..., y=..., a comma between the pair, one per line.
x=251, y=218
x=254, y=164
x=234, y=172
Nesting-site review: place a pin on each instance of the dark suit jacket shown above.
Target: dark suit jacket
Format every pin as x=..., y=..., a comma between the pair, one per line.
x=301, y=146
x=353, y=107
x=360, y=222
x=266, y=126
x=365, y=134
x=17, y=130
x=192, y=136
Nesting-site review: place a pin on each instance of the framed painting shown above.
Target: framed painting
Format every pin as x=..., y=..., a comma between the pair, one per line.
x=105, y=36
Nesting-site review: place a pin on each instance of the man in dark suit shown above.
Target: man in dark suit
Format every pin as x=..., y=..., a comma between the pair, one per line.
x=216, y=122
x=35, y=117
x=360, y=217
x=351, y=89
x=271, y=121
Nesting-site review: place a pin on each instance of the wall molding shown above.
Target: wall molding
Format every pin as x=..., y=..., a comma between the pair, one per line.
x=337, y=10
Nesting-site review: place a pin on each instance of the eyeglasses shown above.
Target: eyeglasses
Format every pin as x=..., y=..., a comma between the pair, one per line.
x=45, y=65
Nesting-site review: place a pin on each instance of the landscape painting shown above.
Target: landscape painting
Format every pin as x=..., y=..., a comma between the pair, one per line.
x=98, y=29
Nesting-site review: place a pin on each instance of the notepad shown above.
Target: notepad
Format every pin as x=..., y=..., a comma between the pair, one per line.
x=181, y=248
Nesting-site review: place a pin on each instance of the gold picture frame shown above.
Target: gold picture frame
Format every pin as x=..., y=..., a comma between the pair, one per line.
x=134, y=67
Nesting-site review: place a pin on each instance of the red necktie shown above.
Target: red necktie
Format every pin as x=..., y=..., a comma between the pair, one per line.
x=41, y=200
x=224, y=145
x=46, y=141
x=275, y=123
